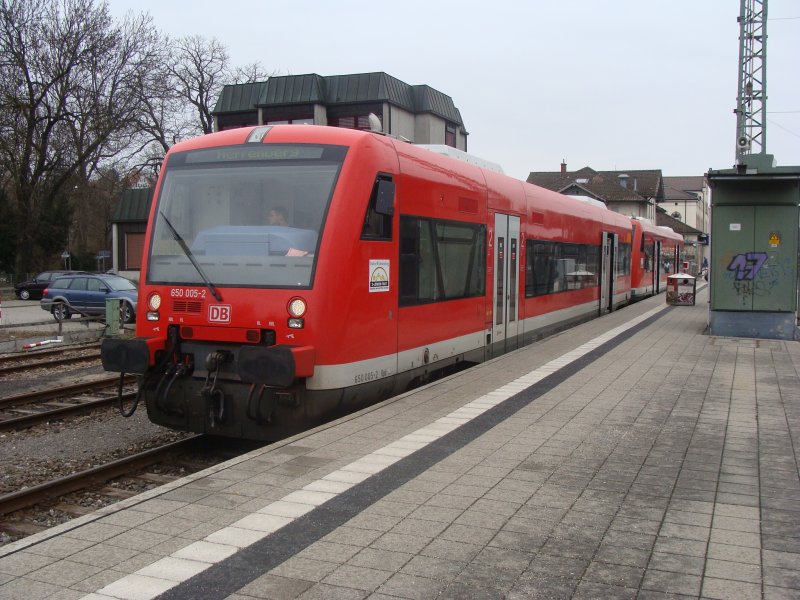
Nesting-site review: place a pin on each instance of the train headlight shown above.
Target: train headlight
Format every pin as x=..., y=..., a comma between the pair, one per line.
x=297, y=307
x=153, y=304
x=154, y=301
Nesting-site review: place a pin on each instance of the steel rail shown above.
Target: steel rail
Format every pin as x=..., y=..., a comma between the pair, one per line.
x=61, y=411
x=100, y=474
x=49, y=363
x=36, y=353
x=50, y=394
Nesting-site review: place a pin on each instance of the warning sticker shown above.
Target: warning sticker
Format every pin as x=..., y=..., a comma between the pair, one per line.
x=378, y=275
x=774, y=239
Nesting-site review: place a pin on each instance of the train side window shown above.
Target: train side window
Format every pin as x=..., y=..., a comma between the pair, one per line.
x=552, y=267
x=459, y=248
x=378, y=218
x=649, y=252
x=623, y=259
x=419, y=277
x=440, y=260
x=541, y=268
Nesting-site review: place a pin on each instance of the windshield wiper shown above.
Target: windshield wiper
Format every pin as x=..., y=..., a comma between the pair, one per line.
x=191, y=258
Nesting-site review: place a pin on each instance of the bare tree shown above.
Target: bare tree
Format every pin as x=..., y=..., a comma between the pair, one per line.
x=69, y=99
x=201, y=68
x=250, y=73
x=164, y=119
x=179, y=95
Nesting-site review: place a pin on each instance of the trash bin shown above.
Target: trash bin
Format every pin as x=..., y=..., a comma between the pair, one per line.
x=681, y=289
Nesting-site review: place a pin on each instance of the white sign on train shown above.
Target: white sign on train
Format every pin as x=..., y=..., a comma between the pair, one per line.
x=379, y=275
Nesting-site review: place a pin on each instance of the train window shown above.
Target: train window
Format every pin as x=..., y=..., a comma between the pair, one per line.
x=667, y=260
x=222, y=207
x=440, y=260
x=378, y=218
x=428, y=275
x=649, y=252
x=540, y=268
x=553, y=267
x=623, y=259
x=457, y=244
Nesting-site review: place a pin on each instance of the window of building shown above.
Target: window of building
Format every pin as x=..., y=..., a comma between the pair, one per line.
x=303, y=121
x=236, y=120
x=450, y=135
x=352, y=122
x=134, y=246
x=441, y=260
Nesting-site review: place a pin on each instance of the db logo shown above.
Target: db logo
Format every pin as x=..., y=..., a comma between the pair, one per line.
x=219, y=313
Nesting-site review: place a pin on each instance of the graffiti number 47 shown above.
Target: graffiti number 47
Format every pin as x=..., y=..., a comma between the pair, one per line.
x=747, y=266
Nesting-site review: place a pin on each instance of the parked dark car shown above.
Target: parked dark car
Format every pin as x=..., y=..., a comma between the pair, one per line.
x=86, y=294
x=33, y=288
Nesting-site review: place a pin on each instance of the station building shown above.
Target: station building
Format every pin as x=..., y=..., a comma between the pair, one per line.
x=417, y=113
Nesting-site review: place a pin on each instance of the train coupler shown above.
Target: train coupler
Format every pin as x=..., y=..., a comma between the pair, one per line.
x=213, y=395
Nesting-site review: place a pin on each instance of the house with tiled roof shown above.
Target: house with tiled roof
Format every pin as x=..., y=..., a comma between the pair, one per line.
x=635, y=193
x=686, y=199
x=693, y=250
x=418, y=113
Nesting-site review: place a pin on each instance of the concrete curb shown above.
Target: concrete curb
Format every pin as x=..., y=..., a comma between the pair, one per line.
x=69, y=337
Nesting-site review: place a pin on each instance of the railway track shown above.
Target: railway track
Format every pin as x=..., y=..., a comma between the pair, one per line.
x=40, y=359
x=24, y=410
x=50, y=492
x=21, y=512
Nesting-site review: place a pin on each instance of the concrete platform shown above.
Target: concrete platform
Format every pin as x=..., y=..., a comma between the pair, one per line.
x=632, y=456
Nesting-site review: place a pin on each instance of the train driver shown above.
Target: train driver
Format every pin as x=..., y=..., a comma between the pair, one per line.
x=278, y=216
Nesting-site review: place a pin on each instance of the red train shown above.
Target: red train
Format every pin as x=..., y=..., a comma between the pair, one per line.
x=293, y=274
x=657, y=253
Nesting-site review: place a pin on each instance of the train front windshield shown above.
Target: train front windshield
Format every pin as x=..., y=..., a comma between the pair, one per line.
x=243, y=216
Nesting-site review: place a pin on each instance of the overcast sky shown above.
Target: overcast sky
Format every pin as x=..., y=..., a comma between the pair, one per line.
x=625, y=84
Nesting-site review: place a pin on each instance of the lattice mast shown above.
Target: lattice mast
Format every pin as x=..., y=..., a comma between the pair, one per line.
x=751, y=105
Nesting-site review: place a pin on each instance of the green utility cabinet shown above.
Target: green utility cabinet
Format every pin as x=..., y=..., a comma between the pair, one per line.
x=754, y=250
x=754, y=258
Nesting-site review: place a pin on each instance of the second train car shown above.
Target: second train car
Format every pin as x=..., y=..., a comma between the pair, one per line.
x=293, y=274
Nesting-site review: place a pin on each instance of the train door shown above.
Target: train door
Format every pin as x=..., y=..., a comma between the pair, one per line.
x=657, y=269
x=506, y=284
x=608, y=271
